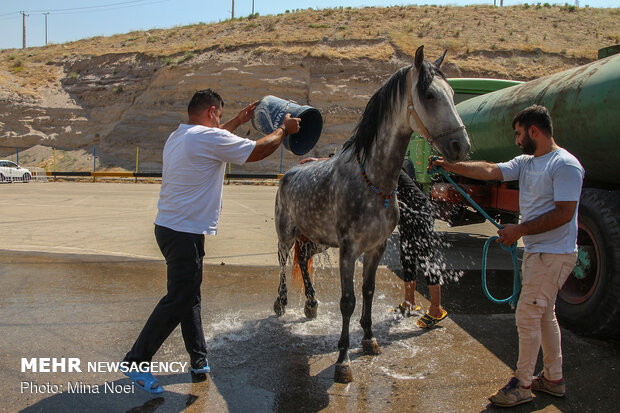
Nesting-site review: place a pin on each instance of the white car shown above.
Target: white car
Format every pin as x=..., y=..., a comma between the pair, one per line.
x=11, y=172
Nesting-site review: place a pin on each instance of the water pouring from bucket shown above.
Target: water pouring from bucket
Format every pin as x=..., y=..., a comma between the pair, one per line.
x=269, y=114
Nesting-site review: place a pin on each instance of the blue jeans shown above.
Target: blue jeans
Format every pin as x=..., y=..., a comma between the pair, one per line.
x=181, y=305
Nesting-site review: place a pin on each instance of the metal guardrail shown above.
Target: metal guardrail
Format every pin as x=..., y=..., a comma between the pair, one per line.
x=253, y=176
x=38, y=174
x=151, y=175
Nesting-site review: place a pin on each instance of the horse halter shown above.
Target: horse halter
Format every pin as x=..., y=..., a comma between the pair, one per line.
x=429, y=138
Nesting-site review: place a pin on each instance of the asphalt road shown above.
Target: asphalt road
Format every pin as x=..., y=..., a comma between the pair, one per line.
x=80, y=272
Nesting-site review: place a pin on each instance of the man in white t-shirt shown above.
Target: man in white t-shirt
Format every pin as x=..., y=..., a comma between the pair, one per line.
x=550, y=181
x=194, y=163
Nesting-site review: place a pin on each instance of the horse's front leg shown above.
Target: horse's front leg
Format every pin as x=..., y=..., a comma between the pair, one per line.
x=343, y=372
x=279, y=306
x=371, y=262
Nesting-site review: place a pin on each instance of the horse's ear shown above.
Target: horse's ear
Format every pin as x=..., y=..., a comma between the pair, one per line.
x=439, y=61
x=419, y=58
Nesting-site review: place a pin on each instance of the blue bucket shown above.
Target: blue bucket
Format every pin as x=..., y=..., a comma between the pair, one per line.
x=269, y=115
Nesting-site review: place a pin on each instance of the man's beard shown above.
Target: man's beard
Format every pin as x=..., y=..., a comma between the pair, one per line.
x=528, y=146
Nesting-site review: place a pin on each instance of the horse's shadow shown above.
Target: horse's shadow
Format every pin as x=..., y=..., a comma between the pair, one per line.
x=262, y=366
x=278, y=363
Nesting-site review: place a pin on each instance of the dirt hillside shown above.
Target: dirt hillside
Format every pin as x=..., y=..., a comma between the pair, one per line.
x=122, y=92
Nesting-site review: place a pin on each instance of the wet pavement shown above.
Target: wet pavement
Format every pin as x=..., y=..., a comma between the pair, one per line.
x=59, y=301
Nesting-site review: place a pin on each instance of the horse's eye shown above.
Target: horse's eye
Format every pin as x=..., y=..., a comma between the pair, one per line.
x=430, y=96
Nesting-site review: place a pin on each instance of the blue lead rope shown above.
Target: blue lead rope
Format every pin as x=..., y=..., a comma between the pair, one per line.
x=516, y=286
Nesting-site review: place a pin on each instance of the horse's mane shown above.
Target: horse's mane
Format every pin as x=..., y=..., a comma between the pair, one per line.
x=381, y=105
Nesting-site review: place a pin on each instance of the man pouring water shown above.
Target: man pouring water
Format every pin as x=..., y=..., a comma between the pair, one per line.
x=194, y=163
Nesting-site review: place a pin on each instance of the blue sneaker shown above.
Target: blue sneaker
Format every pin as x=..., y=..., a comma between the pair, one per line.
x=149, y=382
x=200, y=374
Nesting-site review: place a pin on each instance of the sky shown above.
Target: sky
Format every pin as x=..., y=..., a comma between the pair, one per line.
x=70, y=20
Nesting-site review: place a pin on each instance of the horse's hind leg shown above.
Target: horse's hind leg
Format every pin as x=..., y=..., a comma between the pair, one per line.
x=307, y=250
x=371, y=262
x=279, y=306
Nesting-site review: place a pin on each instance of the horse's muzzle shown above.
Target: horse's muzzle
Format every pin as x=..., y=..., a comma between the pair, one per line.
x=457, y=148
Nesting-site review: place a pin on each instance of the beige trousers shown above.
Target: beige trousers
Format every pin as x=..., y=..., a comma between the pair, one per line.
x=542, y=276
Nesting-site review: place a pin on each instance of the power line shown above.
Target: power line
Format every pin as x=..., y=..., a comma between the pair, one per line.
x=86, y=9
x=74, y=10
x=109, y=8
x=90, y=7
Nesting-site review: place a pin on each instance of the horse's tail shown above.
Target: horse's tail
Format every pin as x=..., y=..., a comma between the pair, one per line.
x=298, y=281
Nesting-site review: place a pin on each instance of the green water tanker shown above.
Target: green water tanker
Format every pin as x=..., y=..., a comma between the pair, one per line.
x=584, y=103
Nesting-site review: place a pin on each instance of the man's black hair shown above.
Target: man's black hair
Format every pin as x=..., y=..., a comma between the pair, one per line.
x=203, y=100
x=536, y=115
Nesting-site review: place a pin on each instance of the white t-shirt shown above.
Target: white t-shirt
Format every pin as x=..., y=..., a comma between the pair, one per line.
x=195, y=160
x=544, y=180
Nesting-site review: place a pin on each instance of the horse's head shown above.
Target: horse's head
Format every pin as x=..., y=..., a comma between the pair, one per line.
x=431, y=111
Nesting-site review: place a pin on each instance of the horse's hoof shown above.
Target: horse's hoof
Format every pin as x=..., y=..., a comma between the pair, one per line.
x=371, y=347
x=310, y=308
x=278, y=308
x=343, y=373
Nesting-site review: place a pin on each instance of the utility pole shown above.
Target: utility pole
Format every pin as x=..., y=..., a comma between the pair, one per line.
x=233, y=9
x=252, y=7
x=46, y=13
x=24, y=28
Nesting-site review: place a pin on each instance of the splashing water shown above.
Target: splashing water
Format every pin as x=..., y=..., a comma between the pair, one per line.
x=425, y=249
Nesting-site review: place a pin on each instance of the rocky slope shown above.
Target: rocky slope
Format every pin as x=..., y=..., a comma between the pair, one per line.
x=122, y=98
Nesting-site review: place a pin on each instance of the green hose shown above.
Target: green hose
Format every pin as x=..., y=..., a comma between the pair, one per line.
x=516, y=286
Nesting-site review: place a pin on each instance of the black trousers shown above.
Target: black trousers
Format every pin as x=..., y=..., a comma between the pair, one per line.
x=418, y=241
x=181, y=305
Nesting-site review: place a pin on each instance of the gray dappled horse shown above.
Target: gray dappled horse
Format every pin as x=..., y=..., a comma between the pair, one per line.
x=348, y=202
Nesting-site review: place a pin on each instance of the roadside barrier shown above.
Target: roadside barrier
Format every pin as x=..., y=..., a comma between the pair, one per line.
x=38, y=174
x=136, y=175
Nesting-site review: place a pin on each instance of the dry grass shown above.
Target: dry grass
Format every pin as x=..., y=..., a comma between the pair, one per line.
x=475, y=35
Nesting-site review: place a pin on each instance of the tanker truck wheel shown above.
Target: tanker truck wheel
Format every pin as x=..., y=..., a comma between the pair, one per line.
x=589, y=302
